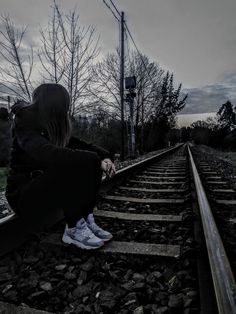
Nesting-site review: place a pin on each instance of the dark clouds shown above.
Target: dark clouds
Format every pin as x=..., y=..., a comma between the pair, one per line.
x=193, y=39
x=209, y=98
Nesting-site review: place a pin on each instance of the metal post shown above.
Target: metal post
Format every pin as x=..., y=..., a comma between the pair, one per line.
x=142, y=129
x=8, y=103
x=132, y=134
x=122, y=88
x=129, y=134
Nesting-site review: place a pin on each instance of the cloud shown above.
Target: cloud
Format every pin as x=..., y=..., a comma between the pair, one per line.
x=209, y=98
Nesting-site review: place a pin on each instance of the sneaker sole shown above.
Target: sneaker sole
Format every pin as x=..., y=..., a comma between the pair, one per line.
x=68, y=240
x=106, y=240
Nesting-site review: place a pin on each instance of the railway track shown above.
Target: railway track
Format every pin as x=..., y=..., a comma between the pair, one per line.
x=151, y=266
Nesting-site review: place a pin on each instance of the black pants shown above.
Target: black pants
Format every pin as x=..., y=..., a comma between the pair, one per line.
x=72, y=189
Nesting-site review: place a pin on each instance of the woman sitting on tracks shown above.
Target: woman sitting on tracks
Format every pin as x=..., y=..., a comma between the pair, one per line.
x=51, y=170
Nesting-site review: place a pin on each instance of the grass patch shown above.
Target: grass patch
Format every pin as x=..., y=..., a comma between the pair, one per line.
x=3, y=178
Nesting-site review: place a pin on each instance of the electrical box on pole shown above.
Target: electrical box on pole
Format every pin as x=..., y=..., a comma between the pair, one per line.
x=130, y=82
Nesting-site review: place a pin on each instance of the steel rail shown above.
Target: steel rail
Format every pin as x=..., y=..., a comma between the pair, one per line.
x=223, y=279
x=137, y=166
x=14, y=230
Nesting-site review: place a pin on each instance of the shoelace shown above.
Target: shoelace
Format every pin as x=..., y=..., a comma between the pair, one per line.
x=94, y=226
x=84, y=231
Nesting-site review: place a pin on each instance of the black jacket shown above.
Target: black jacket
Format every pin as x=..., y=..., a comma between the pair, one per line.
x=33, y=153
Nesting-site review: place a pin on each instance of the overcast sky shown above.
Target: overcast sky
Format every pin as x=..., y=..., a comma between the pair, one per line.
x=196, y=39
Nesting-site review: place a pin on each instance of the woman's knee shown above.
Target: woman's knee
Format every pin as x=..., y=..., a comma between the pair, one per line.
x=92, y=167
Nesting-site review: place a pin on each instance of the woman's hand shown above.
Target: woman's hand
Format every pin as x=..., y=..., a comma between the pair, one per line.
x=108, y=167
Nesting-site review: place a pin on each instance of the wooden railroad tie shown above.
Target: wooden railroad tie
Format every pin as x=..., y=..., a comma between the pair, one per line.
x=137, y=217
x=133, y=248
x=156, y=183
x=164, y=250
x=127, y=188
x=223, y=190
x=159, y=178
x=15, y=309
x=144, y=200
x=166, y=171
x=169, y=163
x=170, y=168
x=226, y=202
x=217, y=182
x=167, y=175
x=172, y=164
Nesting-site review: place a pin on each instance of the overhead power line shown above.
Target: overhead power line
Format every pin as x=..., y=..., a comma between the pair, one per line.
x=115, y=8
x=131, y=37
x=127, y=47
x=107, y=5
x=144, y=64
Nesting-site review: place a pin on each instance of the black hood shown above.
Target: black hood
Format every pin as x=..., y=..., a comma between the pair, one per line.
x=18, y=105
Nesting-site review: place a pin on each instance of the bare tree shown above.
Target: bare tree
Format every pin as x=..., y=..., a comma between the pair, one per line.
x=149, y=78
x=17, y=65
x=67, y=55
x=106, y=75
x=51, y=54
x=105, y=86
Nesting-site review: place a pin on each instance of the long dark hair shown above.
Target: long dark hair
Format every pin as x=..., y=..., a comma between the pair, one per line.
x=53, y=103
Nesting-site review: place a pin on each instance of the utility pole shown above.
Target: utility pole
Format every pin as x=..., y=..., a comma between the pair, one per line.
x=122, y=87
x=132, y=126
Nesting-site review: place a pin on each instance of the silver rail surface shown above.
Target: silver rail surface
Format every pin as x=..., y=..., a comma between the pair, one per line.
x=223, y=279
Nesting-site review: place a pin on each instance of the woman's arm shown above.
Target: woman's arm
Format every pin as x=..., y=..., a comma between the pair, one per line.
x=28, y=136
x=49, y=155
x=76, y=143
x=107, y=159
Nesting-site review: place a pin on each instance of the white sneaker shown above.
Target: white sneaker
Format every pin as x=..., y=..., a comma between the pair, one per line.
x=99, y=232
x=82, y=236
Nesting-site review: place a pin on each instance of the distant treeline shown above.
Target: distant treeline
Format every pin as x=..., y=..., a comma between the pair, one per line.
x=157, y=132
x=218, y=132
